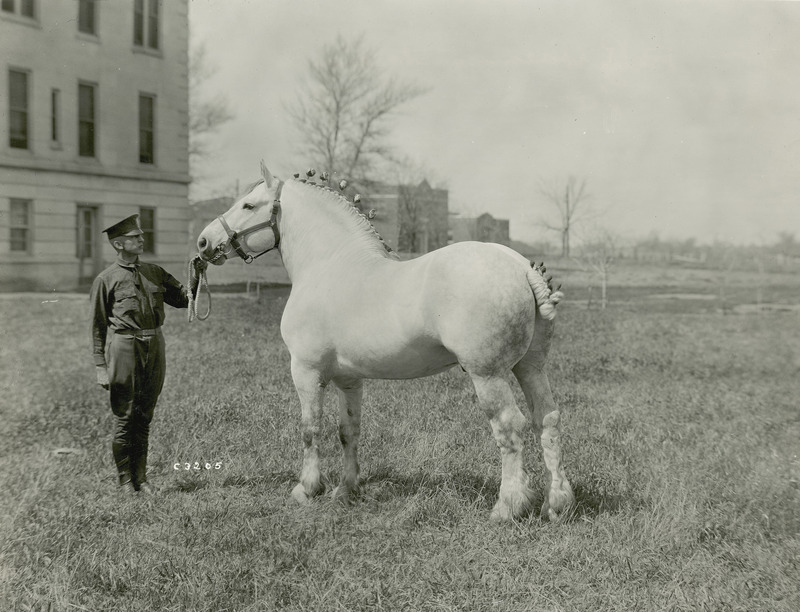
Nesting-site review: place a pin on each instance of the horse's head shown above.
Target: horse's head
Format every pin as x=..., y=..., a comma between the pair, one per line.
x=249, y=228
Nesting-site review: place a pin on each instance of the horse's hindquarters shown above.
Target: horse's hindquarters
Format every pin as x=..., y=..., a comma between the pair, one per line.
x=480, y=305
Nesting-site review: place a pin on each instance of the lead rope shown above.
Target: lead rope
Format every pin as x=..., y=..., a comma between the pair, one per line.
x=202, y=281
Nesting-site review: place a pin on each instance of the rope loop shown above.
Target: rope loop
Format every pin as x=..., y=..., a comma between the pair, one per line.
x=202, y=281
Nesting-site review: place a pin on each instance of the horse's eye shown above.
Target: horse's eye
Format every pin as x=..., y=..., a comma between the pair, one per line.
x=248, y=206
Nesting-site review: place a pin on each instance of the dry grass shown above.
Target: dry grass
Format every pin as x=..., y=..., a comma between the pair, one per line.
x=681, y=439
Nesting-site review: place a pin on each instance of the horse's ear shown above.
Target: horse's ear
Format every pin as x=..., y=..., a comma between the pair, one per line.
x=270, y=180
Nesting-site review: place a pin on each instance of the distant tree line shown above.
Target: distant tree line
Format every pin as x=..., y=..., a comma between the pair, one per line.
x=783, y=253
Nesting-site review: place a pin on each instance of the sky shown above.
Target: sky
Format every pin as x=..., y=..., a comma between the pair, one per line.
x=683, y=117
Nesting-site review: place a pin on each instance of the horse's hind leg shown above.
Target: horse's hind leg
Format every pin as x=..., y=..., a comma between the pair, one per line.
x=311, y=390
x=547, y=424
x=350, y=394
x=508, y=425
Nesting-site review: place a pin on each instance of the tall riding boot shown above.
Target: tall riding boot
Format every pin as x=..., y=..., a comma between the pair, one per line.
x=139, y=453
x=122, y=459
x=139, y=465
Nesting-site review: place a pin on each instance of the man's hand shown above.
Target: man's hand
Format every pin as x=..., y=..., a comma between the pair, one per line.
x=102, y=376
x=199, y=265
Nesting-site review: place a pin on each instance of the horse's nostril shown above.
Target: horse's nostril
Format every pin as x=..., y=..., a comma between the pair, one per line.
x=202, y=243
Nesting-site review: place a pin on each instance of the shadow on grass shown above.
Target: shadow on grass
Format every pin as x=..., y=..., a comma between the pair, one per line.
x=190, y=484
x=590, y=503
x=387, y=483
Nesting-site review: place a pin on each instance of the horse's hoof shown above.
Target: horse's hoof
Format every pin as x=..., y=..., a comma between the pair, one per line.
x=553, y=516
x=559, y=504
x=514, y=502
x=342, y=495
x=501, y=513
x=300, y=496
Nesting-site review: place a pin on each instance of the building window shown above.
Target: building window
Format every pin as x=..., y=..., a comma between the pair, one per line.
x=146, y=129
x=87, y=235
x=19, y=224
x=55, y=106
x=27, y=8
x=146, y=30
x=86, y=115
x=147, y=220
x=86, y=16
x=18, y=109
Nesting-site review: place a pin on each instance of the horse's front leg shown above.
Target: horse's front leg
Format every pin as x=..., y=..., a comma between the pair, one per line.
x=350, y=394
x=310, y=387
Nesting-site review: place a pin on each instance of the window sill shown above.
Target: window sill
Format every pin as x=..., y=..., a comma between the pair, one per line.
x=31, y=22
x=88, y=161
x=18, y=152
x=86, y=36
x=148, y=51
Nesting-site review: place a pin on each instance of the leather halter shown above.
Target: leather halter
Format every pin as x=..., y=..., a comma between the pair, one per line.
x=233, y=243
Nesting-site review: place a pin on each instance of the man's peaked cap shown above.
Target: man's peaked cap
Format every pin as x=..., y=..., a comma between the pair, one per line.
x=127, y=227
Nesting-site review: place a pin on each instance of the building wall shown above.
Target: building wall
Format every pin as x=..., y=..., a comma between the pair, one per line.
x=484, y=228
x=52, y=174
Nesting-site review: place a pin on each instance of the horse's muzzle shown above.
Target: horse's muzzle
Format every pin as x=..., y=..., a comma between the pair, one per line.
x=214, y=256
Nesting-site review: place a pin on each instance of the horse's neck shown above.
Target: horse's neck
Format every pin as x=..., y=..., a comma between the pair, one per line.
x=315, y=232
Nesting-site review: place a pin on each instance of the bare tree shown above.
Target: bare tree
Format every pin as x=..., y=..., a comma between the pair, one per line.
x=569, y=200
x=416, y=228
x=343, y=110
x=413, y=218
x=207, y=113
x=600, y=254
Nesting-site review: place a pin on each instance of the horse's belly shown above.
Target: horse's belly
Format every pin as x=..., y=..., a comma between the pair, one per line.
x=393, y=361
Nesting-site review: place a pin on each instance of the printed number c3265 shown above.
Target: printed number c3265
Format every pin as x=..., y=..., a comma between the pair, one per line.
x=197, y=466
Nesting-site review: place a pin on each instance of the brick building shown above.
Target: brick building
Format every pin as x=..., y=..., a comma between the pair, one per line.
x=484, y=228
x=95, y=128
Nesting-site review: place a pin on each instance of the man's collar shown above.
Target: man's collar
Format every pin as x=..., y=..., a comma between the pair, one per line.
x=127, y=264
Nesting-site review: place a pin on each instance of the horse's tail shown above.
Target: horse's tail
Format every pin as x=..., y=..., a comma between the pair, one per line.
x=546, y=298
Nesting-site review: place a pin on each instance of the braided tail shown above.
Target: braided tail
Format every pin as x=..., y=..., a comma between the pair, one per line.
x=546, y=298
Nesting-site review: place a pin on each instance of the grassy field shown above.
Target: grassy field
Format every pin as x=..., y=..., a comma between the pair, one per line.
x=681, y=438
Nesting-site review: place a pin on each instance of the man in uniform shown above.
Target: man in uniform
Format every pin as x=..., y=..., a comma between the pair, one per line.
x=127, y=301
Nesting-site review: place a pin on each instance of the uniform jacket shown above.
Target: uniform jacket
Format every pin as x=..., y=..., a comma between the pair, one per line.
x=131, y=296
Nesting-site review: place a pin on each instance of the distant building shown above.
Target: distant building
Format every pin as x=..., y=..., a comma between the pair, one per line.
x=94, y=128
x=484, y=228
x=410, y=218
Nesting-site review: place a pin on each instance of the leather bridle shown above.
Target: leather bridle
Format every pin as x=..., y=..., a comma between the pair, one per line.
x=234, y=242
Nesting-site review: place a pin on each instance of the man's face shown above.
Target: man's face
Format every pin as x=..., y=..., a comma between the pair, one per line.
x=133, y=245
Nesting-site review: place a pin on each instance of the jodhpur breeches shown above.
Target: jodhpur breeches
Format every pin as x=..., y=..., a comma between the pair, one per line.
x=136, y=376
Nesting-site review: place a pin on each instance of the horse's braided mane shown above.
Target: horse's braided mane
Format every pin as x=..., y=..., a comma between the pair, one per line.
x=361, y=219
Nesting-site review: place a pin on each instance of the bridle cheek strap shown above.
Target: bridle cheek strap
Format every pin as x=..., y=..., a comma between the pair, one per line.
x=233, y=242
